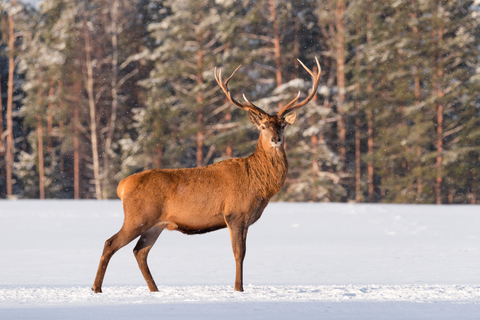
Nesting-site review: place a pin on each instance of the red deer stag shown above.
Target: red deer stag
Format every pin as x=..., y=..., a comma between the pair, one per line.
x=232, y=193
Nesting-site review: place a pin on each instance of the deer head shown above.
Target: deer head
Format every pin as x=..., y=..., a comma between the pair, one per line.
x=271, y=127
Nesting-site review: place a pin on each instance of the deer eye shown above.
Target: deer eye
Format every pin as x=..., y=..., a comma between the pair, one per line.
x=262, y=127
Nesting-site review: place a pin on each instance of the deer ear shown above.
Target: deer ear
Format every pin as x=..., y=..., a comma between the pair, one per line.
x=255, y=118
x=290, y=118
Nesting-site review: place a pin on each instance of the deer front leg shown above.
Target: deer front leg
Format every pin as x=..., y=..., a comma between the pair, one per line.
x=238, y=235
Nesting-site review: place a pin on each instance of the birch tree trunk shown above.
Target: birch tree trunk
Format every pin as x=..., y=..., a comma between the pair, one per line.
x=340, y=57
x=113, y=117
x=93, y=117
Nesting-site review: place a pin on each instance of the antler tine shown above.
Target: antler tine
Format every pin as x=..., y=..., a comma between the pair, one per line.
x=305, y=67
x=218, y=78
x=293, y=101
x=231, y=76
x=316, y=79
x=252, y=105
x=224, y=85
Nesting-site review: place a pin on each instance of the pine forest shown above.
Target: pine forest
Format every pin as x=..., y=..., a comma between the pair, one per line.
x=95, y=90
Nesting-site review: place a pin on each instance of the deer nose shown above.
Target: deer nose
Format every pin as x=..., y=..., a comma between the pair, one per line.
x=275, y=139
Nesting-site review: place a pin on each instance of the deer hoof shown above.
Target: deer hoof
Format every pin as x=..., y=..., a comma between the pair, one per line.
x=97, y=290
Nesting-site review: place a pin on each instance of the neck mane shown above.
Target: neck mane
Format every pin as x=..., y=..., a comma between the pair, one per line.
x=269, y=166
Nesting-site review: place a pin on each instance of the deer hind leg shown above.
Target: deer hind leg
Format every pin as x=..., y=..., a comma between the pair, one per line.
x=141, y=250
x=238, y=236
x=112, y=245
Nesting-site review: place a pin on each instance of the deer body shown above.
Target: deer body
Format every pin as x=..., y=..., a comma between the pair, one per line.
x=230, y=194
x=199, y=200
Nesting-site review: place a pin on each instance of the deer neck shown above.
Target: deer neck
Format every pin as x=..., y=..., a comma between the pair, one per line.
x=269, y=167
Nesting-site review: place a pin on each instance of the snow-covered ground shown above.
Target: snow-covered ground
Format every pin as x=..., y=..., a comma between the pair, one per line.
x=304, y=261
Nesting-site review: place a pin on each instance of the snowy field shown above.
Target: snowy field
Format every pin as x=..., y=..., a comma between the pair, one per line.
x=304, y=261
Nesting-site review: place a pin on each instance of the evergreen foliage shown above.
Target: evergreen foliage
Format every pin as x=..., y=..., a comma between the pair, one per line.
x=103, y=89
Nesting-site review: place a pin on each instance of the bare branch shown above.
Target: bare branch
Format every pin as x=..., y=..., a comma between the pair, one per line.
x=126, y=77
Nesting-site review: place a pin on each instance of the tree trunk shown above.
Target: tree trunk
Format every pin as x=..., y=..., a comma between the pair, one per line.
x=340, y=57
x=50, y=148
x=41, y=166
x=113, y=117
x=199, y=100
x=358, y=173
x=419, y=179
x=76, y=152
x=93, y=116
x=61, y=136
x=296, y=46
x=50, y=119
x=229, y=148
x=11, y=70
x=416, y=81
x=276, y=45
x=2, y=146
x=321, y=136
x=326, y=105
x=2, y=143
x=473, y=183
x=370, y=169
x=438, y=185
x=157, y=161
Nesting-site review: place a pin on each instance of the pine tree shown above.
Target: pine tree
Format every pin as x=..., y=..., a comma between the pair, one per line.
x=15, y=18
x=64, y=85
x=189, y=49
x=395, y=119
x=42, y=60
x=429, y=37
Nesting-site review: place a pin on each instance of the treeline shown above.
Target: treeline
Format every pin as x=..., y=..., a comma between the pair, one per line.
x=93, y=91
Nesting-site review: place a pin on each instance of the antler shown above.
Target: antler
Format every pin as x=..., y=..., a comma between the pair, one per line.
x=224, y=85
x=291, y=106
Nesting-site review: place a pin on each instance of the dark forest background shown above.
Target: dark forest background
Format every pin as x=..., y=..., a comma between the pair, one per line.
x=93, y=91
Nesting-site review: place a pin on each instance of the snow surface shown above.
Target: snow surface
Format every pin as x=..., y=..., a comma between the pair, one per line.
x=304, y=261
